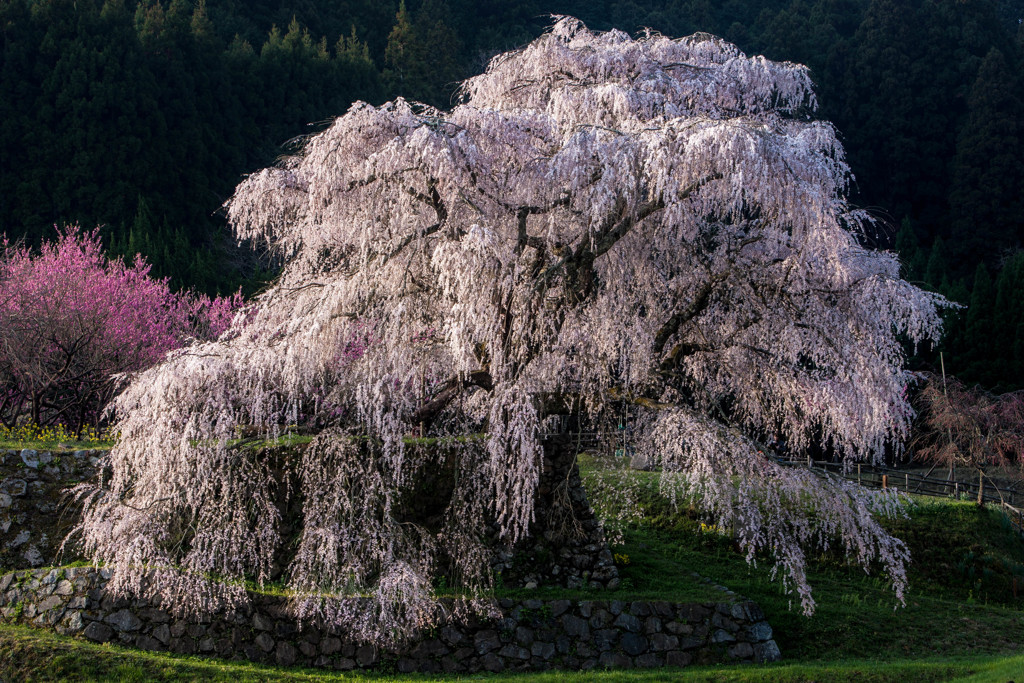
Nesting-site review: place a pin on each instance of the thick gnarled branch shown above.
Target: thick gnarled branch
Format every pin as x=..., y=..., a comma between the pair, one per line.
x=448, y=392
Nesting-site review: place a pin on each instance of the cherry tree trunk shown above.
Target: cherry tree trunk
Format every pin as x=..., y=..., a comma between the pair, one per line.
x=566, y=545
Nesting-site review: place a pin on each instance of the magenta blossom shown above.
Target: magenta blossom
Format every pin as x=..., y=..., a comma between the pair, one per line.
x=71, y=320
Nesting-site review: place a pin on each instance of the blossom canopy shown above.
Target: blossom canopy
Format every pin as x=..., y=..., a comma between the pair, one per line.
x=600, y=218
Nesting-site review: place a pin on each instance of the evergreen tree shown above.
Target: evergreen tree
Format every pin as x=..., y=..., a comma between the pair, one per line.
x=103, y=101
x=937, y=268
x=402, y=55
x=420, y=57
x=988, y=184
x=912, y=256
x=357, y=73
x=24, y=203
x=977, y=359
x=441, y=47
x=881, y=106
x=1004, y=340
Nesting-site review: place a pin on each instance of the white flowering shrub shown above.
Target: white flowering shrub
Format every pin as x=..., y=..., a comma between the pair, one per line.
x=651, y=220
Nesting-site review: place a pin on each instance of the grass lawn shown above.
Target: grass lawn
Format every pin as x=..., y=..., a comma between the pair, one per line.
x=31, y=655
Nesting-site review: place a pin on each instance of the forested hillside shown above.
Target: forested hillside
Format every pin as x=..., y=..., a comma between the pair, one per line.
x=143, y=116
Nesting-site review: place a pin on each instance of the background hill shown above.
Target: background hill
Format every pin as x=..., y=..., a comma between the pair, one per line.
x=143, y=116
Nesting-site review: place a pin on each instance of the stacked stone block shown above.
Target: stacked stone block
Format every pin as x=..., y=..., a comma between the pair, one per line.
x=35, y=513
x=529, y=634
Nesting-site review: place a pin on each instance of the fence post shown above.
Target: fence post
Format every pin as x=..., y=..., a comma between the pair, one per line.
x=885, y=481
x=858, y=474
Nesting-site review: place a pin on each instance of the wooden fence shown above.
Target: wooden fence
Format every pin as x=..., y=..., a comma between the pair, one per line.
x=1009, y=499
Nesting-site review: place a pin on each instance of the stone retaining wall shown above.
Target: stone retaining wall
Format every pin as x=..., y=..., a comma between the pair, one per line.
x=35, y=514
x=531, y=634
x=566, y=545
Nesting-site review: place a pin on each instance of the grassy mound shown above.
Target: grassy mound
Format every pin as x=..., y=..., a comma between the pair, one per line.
x=966, y=578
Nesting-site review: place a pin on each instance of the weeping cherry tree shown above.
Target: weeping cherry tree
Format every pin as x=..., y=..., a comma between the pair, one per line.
x=599, y=218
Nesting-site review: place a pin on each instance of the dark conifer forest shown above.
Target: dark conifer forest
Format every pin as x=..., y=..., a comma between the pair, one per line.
x=142, y=117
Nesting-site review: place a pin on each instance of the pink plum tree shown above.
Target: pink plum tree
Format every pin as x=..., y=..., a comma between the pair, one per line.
x=601, y=218
x=72, y=322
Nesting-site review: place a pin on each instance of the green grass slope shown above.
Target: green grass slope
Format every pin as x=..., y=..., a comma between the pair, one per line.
x=966, y=593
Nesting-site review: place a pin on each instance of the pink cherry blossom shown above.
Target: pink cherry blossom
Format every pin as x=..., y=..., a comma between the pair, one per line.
x=600, y=219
